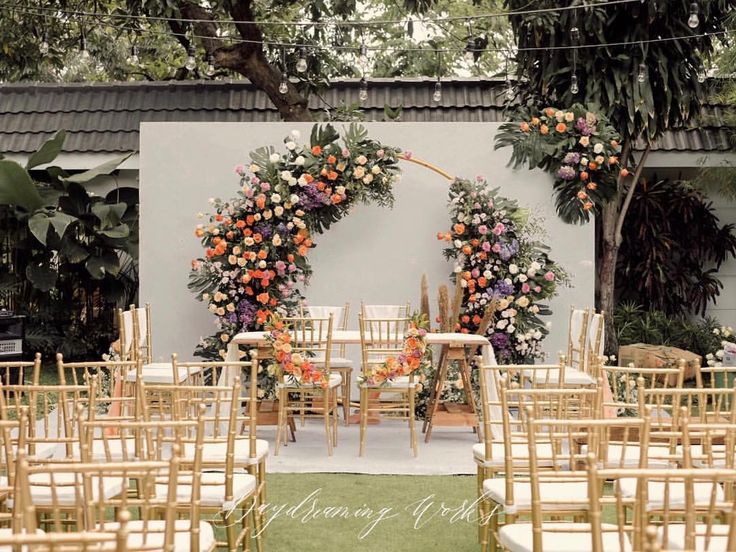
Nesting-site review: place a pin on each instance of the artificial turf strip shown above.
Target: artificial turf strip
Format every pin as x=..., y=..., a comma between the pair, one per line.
x=386, y=513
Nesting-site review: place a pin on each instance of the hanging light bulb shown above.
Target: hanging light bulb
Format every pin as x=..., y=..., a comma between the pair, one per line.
x=437, y=96
x=83, y=53
x=301, y=64
x=642, y=75
x=410, y=28
x=509, y=90
x=470, y=51
x=191, y=63
x=702, y=75
x=284, y=86
x=133, y=59
x=43, y=48
x=574, y=88
x=363, y=56
x=693, y=21
x=574, y=35
x=363, y=94
x=210, y=71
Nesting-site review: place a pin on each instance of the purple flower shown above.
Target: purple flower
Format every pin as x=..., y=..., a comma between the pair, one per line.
x=499, y=341
x=502, y=289
x=264, y=230
x=582, y=125
x=566, y=172
x=311, y=198
x=572, y=158
x=246, y=313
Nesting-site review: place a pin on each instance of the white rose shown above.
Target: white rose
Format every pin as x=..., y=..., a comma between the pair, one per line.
x=534, y=309
x=262, y=264
x=376, y=169
x=248, y=241
x=463, y=283
x=241, y=261
x=302, y=181
x=569, y=116
x=361, y=160
x=267, y=214
x=212, y=307
x=513, y=269
x=523, y=301
x=232, y=259
x=230, y=307
x=368, y=178
x=205, y=297
x=278, y=211
x=537, y=334
x=560, y=116
x=275, y=158
x=535, y=266
x=257, y=217
x=285, y=175
x=457, y=269
x=254, y=168
x=599, y=159
x=501, y=324
x=488, y=274
x=292, y=181
x=359, y=172
x=584, y=161
x=277, y=240
x=584, y=141
x=523, y=278
x=458, y=244
x=290, y=145
x=276, y=198
x=511, y=328
x=293, y=199
x=598, y=148
x=299, y=161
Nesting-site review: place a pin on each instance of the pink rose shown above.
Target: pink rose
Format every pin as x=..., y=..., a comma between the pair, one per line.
x=550, y=276
x=538, y=289
x=483, y=229
x=380, y=153
x=496, y=248
x=265, y=186
x=407, y=155
x=345, y=152
x=486, y=247
x=280, y=267
x=479, y=178
x=525, y=288
x=240, y=170
x=475, y=273
x=499, y=228
x=248, y=192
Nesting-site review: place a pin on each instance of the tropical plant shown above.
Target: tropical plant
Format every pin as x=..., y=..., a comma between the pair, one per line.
x=672, y=249
x=643, y=88
x=70, y=257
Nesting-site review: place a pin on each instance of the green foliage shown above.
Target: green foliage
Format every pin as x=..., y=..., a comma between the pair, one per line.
x=673, y=246
x=71, y=256
x=670, y=93
x=634, y=324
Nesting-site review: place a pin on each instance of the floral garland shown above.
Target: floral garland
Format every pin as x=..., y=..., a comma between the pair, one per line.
x=727, y=346
x=256, y=244
x=577, y=146
x=413, y=357
x=297, y=365
x=499, y=259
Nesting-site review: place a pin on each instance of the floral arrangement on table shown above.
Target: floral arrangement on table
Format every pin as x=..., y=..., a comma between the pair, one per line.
x=295, y=364
x=414, y=357
x=577, y=146
x=256, y=244
x=500, y=263
x=728, y=343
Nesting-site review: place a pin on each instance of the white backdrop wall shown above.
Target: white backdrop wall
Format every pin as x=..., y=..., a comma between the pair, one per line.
x=375, y=255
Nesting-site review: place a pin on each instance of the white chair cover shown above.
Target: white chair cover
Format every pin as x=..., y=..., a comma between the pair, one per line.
x=142, y=325
x=325, y=312
x=128, y=329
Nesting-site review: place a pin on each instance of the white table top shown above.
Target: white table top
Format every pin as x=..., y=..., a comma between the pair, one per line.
x=352, y=337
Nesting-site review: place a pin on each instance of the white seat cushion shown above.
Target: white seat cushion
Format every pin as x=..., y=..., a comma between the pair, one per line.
x=700, y=458
x=573, y=376
x=154, y=535
x=335, y=362
x=575, y=494
x=216, y=452
x=560, y=537
x=657, y=457
x=113, y=450
x=66, y=486
x=676, y=493
x=676, y=537
x=402, y=382
x=6, y=533
x=161, y=372
x=291, y=381
x=213, y=489
x=519, y=451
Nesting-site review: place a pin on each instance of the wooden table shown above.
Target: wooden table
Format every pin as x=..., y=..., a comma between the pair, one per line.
x=456, y=347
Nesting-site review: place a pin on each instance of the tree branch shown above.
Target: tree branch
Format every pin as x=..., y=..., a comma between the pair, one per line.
x=630, y=193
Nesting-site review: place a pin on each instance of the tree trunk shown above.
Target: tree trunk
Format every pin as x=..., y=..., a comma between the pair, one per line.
x=607, y=271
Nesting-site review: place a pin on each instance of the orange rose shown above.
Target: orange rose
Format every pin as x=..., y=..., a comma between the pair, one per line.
x=261, y=201
x=262, y=254
x=309, y=178
x=331, y=159
x=561, y=127
x=336, y=198
x=240, y=224
x=592, y=185
x=249, y=220
x=544, y=130
x=624, y=172
x=199, y=232
x=524, y=127
x=459, y=228
x=587, y=206
x=612, y=160
x=583, y=175
x=550, y=112
x=592, y=165
x=332, y=175
x=465, y=319
x=218, y=217
x=535, y=121
x=467, y=249
x=440, y=235
x=582, y=195
x=316, y=150
x=258, y=238
x=263, y=298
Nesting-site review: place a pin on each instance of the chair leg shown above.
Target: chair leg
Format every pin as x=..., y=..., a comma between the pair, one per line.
x=230, y=531
x=281, y=424
x=335, y=417
x=412, y=428
x=327, y=418
x=363, y=418
x=346, y=384
x=257, y=524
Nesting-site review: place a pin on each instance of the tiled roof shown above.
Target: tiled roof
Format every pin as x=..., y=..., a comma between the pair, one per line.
x=105, y=117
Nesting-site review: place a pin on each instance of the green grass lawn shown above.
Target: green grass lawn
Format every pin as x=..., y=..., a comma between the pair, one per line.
x=385, y=513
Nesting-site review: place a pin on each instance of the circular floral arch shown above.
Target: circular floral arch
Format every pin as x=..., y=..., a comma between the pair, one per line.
x=256, y=244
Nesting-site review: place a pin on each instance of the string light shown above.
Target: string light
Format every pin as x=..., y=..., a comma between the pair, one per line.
x=470, y=46
x=363, y=56
x=191, y=63
x=437, y=96
x=83, y=53
x=363, y=94
x=574, y=88
x=134, y=59
x=43, y=48
x=702, y=75
x=284, y=86
x=301, y=64
x=642, y=76
x=410, y=28
x=574, y=35
x=210, y=71
x=693, y=21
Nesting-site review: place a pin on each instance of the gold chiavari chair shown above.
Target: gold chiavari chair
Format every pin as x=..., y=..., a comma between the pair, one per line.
x=250, y=453
x=13, y=435
x=142, y=334
x=510, y=495
x=381, y=338
x=66, y=542
x=577, y=338
x=558, y=375
x=225, y=489
x=711, y=445
x=595, y=341
x=338, y=361
x=310, y=338
x=562, y=488
x=15, y=372
x=693, y=523
x=78, y=496
x=623, y=384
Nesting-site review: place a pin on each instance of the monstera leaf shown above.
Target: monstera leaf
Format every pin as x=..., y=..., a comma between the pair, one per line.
x=39, y=224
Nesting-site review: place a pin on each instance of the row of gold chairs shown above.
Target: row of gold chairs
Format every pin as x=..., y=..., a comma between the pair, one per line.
x=548, y=434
